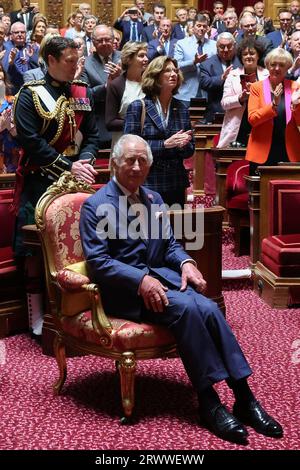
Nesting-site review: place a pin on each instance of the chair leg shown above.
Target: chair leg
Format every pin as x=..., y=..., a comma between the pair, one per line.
x=60, y=354
x=127, y=366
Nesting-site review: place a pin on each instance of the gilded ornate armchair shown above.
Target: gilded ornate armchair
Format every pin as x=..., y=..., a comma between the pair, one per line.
x=75, y=303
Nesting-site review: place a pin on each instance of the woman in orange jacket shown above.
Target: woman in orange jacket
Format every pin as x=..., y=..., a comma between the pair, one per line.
x=274, y=114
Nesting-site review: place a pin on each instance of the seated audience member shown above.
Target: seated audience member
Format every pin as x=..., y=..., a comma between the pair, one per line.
x=126, y=88
x=163, y=45
x=215, y=70
x=164, y=123
x=190, y=53
x=274, y=114
x=9, y=147
x=159, y=283
x=236, y=128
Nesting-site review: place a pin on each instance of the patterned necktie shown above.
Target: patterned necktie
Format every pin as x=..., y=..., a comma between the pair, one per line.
x=133, y=31
x=141, y=213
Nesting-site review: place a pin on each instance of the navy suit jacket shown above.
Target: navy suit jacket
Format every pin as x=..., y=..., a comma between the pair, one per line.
x=123, y=262
x=211, y=71
x=125, y=27
x=153, y=45
x=18, y=16
x=177, y=32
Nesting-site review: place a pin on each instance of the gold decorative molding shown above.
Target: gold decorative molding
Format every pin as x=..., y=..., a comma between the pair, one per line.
x=104, y=11
x=55, y=12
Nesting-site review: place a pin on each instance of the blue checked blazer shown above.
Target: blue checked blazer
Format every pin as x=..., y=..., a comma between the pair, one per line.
x=167, y=171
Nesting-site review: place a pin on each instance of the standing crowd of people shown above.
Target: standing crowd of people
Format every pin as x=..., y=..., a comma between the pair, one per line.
x=86, y=87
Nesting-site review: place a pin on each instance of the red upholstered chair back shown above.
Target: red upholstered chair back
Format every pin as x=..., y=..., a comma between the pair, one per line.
x=62, y=229
x=285, y=206
x=235, y=181
x=7, y=223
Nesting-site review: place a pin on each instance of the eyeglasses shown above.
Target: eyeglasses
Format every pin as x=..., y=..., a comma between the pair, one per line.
x=103, y=40
x=170, y=70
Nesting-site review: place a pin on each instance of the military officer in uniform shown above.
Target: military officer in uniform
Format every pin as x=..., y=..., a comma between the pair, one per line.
x=56, y=127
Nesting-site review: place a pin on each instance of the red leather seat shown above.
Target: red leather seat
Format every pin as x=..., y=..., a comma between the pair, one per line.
x=277, y=274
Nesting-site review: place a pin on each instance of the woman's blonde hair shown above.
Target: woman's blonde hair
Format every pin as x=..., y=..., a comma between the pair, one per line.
x=150, y=85
x=130, y=49
x=279, y=53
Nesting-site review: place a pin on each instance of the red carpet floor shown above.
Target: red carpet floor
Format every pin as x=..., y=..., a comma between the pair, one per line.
x=86, y=416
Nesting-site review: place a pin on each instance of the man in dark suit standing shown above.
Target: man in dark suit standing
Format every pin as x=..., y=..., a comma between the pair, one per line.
x=214, y=71
x=132, y=28
x=151, y=32
x=101, y=66
x=163, y=45
x=25, y=14
x=159, y=283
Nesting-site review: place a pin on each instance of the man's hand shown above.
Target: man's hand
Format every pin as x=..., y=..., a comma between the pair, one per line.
x=12, y=55
x=191, y=275
x=113, y=70
x=153, y=293
x=199, y=58
x=227, y=72
x=83, y=170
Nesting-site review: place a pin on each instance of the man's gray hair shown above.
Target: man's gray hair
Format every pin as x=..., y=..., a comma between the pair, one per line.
x=227, y=36
x=118, y=150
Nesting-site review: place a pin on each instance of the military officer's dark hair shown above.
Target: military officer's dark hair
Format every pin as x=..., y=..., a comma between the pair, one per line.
x=56, y=46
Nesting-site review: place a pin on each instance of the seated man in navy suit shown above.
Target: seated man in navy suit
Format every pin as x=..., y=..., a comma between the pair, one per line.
x=159, y=283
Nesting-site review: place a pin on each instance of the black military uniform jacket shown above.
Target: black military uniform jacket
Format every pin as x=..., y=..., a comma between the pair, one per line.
x=37, y=128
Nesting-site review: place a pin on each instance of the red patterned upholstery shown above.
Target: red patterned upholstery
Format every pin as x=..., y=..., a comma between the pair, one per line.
x=281, y=249
x=127, y=335
x=6, y=232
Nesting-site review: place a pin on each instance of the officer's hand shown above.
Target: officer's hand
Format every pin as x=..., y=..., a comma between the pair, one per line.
x=153, y=293
x=192, y=275
x=83, y=170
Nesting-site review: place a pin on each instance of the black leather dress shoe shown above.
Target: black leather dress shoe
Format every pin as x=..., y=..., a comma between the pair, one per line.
x=224, y=425
x=255, y=416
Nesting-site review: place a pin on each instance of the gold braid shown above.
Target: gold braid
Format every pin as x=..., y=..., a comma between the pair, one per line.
x=59, y=113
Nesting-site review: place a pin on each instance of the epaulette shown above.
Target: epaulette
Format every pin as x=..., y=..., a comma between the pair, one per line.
x=80, y=82
x=33, y=83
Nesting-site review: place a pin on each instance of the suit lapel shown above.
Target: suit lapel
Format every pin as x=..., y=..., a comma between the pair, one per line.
x=99, y=68
x=151, y=110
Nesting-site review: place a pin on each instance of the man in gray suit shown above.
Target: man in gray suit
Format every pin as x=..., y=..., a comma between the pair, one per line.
x=101, y=66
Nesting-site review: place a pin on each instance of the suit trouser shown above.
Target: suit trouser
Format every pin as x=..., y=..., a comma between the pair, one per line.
x=207, y=347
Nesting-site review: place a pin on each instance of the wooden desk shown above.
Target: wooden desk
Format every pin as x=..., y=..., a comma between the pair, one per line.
x=204, y=134
x=259, y=203
x=7, y=180
x=223, y=158
x=209, y=260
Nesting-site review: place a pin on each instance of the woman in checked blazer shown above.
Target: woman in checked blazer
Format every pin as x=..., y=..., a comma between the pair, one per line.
x=164, y=123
